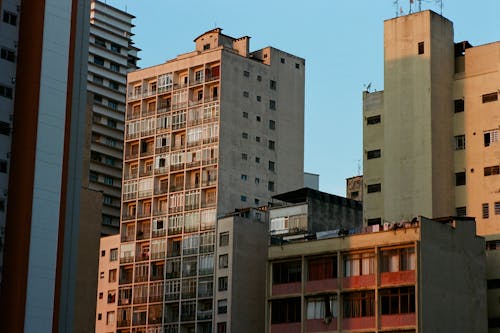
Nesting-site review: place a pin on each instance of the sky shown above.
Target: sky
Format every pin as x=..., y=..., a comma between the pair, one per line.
x=342, y=42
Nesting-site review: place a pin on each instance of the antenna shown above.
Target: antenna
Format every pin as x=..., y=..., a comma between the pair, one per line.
x=396, y=4
x=359, y=167
x=419, y=5
x=440, y=2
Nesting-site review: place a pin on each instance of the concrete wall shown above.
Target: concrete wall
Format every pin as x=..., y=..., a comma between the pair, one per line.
x=417, y=117
x=452, y=272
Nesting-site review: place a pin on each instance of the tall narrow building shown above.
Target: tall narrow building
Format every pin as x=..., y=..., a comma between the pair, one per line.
x=111, y=56
x=212, y=130
x=431, y=137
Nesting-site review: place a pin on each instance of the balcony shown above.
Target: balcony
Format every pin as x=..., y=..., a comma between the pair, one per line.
x=157, y=255
x=159, y=233
x=123, y=323
x=210, y=161
x=155, y=298
x=140, y=300
x=155, y=319
x=398, y=320
x=145, y=173
x=193, y=164
x=359, y=323
x=161, y=171
x=209, y=78
x=165, y=89
x=396, y=278
x=130, y=156
x=172, y=296
x=360, y=281
x=286, y=288
x=286, y=328
x=129, y=196
x=160, y=150
x=142, y=257
x=149, y=92
x=126, y=217
x=126, y=259
x=203, y=293
x=204, y=315
x=148, y=113
x=130, y=175
x=321, y=285
x=141, y=278
x=124, y=301
x=176, y=167
x=319, y=325
x=126, y=277
x=144, y=214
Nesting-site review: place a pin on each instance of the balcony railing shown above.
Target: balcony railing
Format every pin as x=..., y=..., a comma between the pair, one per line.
x=162, y=90
x=160, y=150
x=155, y=298
x=124, y=301
x=159, y=233
x=123, y=323
x=172, y=296
x=129, y=196
x=140, y=300
x=157, y=277
x=130, y=156
x=155, y=320
x=157, y=255
x=286, y=288
x=359, y=323
x=204, y=315
x=127, y=259
x=205, y=293
x=141, y=278
x=126, y=217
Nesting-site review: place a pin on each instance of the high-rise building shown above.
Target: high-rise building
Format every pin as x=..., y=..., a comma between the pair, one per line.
x=111, y=56
x=212, y=130
x=48, y=67
x=431, y=137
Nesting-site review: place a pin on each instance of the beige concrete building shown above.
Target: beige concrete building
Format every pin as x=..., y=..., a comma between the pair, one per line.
x=354, y=188
x=112, y=55
x=107, y=285
x=425, y=276
x=212, y=130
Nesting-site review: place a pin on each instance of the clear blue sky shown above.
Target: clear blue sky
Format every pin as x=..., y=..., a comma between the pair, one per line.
x=342, y=42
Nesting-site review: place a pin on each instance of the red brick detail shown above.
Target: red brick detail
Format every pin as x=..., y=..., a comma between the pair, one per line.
x=322, y=285
x=362, y=281
x=358, y=323
x=319, y=325
x=286, y=288
x=399, y=320
x=285, y=328
x=392, y=278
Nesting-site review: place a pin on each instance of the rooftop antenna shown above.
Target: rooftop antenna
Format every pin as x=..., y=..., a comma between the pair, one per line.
x=440, y=2
x=396, y=4
x=419, y=5
x=411, y=3
x=359, y=167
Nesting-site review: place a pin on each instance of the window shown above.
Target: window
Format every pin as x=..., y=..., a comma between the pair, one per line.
x=97, y=98
x=257, y=159
x=272, y=85
x=101, y=275
x=206, y=47
x=223, y=261
x=113, y=254
x=111, y=123
x=257, y=180
x=373, y=120
x=98, y=60
x=297, y=65
x=272, y=104
x=459, y=105
x=459, y=142
x=322, y=268
x=323, y=307
x=246, y=73
x=257, y=118
x=491, y=97
x=93, y=176
x=99, y=316
x=397, y=260
x=373, y=221
x=115, y=48
x=6, y=92
x=114, y=67
x=110, y=318
x=245, y=114
x=259, y=98
x=222, y=306
x=101, y=295
x=397, y=300
x=492, y=170
x=112, y=275
x=490, y=137
x=373, y=154
x=461, y=211
x=243, y=198
x=271, y=144
x=459, y=178
x=286, y=311
x=486, y=210
x=114, y=85
x=270, y=186
x=103, y=253
x=282, y=60
x=8, y=54
x=287, y=272
x=359, y=304
x=257, y=138
x=99, y=41
x=272, y=124
x=3, y=166
x=359, y=264
x=259, y=78
x=497, y=208
x=245, y=94
x=223, y=283
x=10, y=18
x=256, y=201
x=108, y=180
x=271, y=166
x=221, y=328
x=224, y=239
x=244, y=135
x=421, y=48
x=244, y=156
x=373, y=188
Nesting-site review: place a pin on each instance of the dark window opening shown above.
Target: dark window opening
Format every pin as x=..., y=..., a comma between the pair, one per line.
x=459, y=105
x=373, y=120
x=460, y=178
x=421, y=48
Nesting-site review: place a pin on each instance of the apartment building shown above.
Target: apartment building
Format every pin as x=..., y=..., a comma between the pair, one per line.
x=112, y=55
x=107, y=285
x=419, y=276
x=430, y=139
x=212, y=130
x=47, y=113
x=9, y=33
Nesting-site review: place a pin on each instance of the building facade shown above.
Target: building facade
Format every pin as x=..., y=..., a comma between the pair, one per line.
x=107, y=285
x=431, y=137
x=399, y=279
x=212, y=130
x=111, y=56
x=42, y=221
